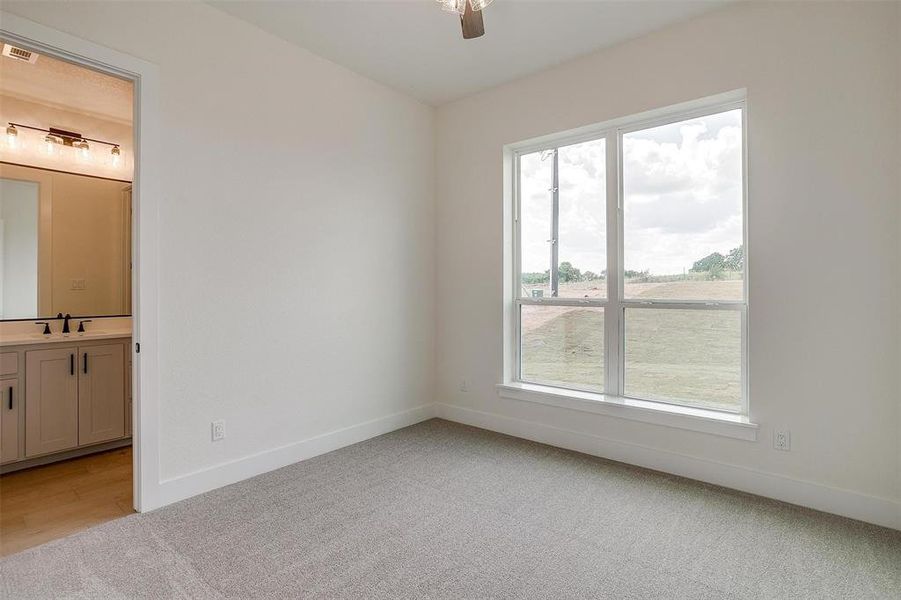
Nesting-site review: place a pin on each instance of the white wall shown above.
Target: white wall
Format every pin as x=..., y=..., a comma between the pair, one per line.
x=823, y=96
x=18, y=249
x=297, y=233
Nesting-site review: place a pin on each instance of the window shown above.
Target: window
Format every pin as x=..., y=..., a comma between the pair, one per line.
x=630, y=262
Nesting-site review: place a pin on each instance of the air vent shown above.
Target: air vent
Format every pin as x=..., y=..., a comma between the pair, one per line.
x=19, y=53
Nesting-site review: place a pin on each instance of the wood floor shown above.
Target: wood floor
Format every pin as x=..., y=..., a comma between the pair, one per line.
x=45, y=503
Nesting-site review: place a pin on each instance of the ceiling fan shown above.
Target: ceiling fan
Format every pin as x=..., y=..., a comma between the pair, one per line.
x=470, y=12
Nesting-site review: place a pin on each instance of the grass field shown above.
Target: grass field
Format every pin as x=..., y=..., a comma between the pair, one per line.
x=688, y=289
x=687, y=355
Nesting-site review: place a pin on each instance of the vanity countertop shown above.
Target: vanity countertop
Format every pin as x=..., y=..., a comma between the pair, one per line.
x=21, y=339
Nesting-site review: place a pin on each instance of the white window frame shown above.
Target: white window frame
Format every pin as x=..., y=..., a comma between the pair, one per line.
x=614, y=305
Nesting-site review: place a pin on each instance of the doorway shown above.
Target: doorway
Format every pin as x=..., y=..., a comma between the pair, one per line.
x=77, y=150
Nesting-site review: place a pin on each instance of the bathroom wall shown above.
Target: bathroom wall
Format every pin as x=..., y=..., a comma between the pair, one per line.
x=29, y=149
x=296, y=235
x=91, y=218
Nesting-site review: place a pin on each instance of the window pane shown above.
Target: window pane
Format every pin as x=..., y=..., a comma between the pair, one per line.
x=691, y=356
x=535, y=181
x=582, y=239
x=563, y=345
x=682, y=210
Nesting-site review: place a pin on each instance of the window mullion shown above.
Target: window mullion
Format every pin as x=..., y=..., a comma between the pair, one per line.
x=555, y=228
x=613, y=313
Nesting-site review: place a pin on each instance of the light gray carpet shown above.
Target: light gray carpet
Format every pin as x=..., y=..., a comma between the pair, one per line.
x=439, y=510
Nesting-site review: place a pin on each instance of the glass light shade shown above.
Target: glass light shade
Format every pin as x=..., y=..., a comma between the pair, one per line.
x=12, y=136
x=115, y=158
x=456, y=6
x=50, y=145
x=83, y=150
x=459, y=6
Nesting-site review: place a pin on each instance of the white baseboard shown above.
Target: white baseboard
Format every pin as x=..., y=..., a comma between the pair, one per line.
x=198, y=482
x=879, y=511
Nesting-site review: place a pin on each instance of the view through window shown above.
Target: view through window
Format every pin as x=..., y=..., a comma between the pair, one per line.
x=651, y=304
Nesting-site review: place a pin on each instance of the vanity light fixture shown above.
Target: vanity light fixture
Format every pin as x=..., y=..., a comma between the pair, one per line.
x=56, y=138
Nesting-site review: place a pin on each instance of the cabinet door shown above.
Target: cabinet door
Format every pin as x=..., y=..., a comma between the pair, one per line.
x=101, y=393
x=9, y=420
x=51, y=401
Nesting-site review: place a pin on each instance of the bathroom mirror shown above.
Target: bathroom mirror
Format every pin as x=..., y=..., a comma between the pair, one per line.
x=65, y=244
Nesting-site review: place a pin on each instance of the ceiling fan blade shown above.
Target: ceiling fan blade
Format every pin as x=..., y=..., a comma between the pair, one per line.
x=471, y=21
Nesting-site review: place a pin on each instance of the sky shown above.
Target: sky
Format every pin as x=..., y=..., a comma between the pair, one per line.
x=682, y=199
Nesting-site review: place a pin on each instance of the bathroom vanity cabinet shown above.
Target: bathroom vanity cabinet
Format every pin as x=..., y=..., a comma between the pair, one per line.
x=63, y=398
x=9, y=411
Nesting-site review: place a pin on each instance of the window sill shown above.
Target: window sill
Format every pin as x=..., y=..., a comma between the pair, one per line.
x=657, y=413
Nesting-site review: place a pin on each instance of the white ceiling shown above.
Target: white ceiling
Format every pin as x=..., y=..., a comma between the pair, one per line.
x=415, y=47
x=66, y=86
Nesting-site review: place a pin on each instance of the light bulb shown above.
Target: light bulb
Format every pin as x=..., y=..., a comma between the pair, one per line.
x=115, y=156
x=12, y=136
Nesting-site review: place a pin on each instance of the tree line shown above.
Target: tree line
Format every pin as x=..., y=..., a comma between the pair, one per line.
x=715, y=265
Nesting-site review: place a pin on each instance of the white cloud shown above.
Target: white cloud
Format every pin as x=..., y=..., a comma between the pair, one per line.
x=683, y=198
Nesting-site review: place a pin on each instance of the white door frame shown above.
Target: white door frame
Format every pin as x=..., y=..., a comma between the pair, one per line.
x=145, y=238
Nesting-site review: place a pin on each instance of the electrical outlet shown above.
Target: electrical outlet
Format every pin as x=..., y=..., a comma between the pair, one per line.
x=218, y=430
x=782, y=440
x=78, y=284
x=464, y=386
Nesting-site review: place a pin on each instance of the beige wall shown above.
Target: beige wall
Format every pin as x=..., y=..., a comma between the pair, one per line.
x=90, y=217
x=823, y=98
x=29, y=149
